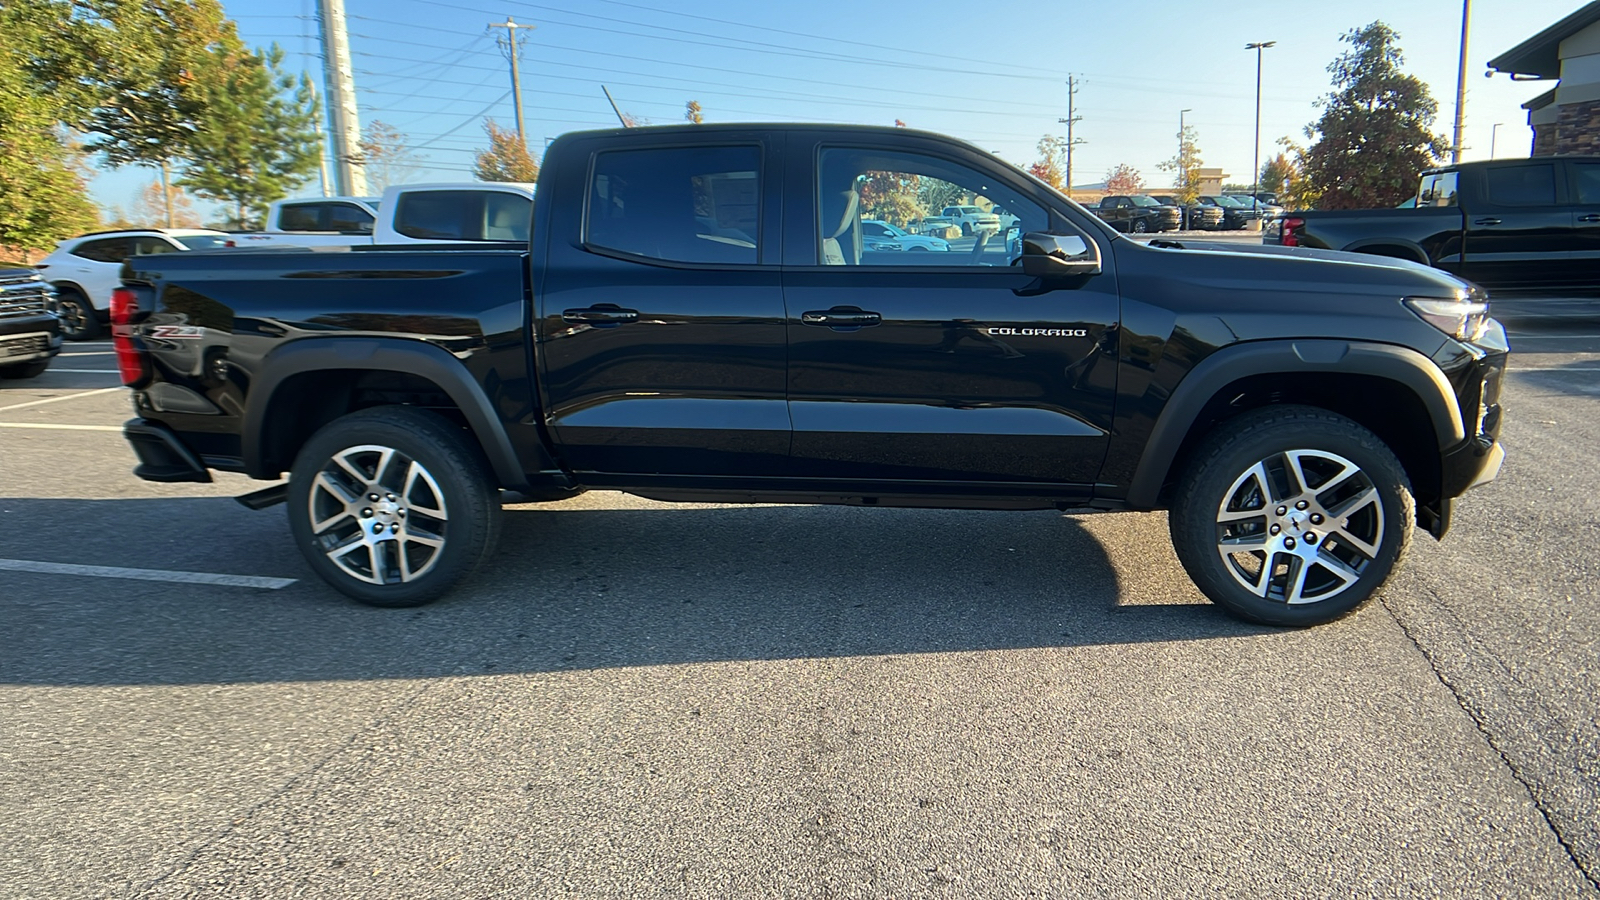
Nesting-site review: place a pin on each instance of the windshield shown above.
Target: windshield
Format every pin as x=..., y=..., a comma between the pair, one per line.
x=202, y=241
x=1143, y=201
x=1227, y=201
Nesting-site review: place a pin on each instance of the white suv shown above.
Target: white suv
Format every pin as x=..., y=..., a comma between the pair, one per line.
x=85, y=269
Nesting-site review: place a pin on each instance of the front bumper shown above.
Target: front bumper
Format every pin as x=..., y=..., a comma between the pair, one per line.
x=30, y=344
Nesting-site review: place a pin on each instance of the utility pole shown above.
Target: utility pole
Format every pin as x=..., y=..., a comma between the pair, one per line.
x=1255, y=167
x=1461, y=83
x=1183, y=141
x=1072, y=119
x=349, y=166
x=508, y=46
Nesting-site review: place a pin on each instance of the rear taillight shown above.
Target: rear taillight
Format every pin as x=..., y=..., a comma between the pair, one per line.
x=131, y=360
x=1290, y=236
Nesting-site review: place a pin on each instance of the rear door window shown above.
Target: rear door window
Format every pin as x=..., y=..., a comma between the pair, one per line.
x=347, y=218
x=1531, y=185
x=683, y=204
x=463, y=216
x=149, y=246
x=111, y=250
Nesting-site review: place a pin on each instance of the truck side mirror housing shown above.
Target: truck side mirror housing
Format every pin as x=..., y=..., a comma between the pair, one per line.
x=1059, y=255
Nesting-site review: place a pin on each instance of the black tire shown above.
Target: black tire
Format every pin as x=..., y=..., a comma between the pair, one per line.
x=1140, y=226
x=1354, y=544
x=966, y=229
x=25, y=370
x=79, y=322
x=454, y=476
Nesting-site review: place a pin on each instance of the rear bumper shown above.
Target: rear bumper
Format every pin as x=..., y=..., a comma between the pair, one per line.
x=162, y=456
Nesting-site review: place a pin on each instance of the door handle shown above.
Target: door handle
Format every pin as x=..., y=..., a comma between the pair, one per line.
x=841, y=317
x=602, y=314
x=1488, y=220
x=1592, y=217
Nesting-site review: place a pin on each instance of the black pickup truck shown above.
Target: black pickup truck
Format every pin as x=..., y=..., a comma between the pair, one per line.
x=30, y=328
x=697, y=319
x=1508, y=223
x=1138, y=214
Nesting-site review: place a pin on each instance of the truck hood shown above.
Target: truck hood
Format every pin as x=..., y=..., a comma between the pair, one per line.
x=1266, y=261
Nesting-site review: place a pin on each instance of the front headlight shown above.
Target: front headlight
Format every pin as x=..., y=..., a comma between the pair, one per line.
x=1462, y=319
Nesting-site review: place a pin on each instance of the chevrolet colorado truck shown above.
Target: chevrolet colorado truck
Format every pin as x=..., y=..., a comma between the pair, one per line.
x=697, y=318
x=30, y=329
x=1506, y=223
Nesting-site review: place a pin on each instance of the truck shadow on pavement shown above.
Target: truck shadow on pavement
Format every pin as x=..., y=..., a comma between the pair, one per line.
x=573, y=588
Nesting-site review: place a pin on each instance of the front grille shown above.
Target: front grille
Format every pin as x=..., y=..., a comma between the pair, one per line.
x=24, y=345
x=22, y=294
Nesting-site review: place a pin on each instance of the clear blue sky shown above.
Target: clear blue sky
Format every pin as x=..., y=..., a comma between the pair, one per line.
x=993, y=73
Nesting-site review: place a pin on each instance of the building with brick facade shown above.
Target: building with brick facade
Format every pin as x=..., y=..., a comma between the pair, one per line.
x=1565, y=119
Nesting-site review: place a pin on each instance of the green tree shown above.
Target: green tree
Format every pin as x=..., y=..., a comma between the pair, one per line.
x=507, y=158
x=1376, y=131
x=259, y=140
x=1275, y=173
x=390, y=159
x=43, y=197
x=1185, y=167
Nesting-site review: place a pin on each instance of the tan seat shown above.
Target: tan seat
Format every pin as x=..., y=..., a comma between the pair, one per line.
x=841, y=244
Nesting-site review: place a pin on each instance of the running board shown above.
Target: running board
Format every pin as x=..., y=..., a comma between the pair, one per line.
x=265, y=497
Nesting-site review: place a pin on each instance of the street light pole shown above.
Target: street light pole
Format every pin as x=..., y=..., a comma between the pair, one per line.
x=1255, y=166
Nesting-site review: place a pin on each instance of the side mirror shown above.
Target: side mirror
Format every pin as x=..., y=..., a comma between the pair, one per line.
x=1059, y=255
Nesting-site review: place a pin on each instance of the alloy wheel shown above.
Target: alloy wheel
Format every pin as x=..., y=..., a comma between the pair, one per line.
x=1300, y=526
x=378, y=514
x=74, y=317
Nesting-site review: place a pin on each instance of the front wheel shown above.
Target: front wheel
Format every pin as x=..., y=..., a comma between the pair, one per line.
x=1140, y=226
x=393, y=505
x=1292, y=515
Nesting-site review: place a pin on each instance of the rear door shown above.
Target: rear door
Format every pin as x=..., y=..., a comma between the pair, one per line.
x=660, y=316
x=1520, y=231
x=947, y=368
x=1584, y=185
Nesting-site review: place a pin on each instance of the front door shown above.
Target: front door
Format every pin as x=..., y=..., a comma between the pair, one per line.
x=660, y=332
x=936, y=367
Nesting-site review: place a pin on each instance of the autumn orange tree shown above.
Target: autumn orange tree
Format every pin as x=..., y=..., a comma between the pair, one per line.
x=1124, y=179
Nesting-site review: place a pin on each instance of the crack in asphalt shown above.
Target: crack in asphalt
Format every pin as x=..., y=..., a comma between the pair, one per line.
x=1478, y=722
x=238, y=821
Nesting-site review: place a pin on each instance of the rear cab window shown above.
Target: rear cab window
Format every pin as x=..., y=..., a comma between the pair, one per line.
x=477, y=215
x=677, y=204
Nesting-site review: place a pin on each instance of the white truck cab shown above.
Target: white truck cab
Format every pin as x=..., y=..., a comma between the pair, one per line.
x=445, y=213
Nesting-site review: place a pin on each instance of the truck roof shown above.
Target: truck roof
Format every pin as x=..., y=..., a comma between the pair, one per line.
x=1511, y=161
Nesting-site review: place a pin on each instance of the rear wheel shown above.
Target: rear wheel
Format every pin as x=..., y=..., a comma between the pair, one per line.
x=393, y=506
x=1292, y=515
x=78, y=319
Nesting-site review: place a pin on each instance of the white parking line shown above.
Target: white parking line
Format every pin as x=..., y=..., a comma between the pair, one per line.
x=1554, y=369
x=73, y=396
x=95, y=371
x=60, y=427
x=47, y=568
x=98, y=353
x=1553, y=337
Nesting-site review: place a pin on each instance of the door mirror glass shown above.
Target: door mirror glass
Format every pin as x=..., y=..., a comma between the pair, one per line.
x=1059, y=255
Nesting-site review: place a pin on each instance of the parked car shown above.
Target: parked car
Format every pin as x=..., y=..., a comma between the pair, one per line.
x=1299, y=413
x=1235, y=215
x=1138, y=214
x=1267, y=209
x=936, y=226
x=971, y=218
x=1196, y=217
x=407, y=214
x=30, y=331
x=894, y=237
x=84, y=269
x=1503, y=223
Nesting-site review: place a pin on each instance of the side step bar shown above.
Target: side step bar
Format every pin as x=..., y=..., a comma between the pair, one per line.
x=265, y=497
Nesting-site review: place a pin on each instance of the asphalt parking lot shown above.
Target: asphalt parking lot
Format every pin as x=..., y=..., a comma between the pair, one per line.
x=651, y=699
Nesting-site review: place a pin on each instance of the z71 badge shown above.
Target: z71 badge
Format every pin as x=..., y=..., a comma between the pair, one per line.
x=178, y=332
x=1041, y=332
